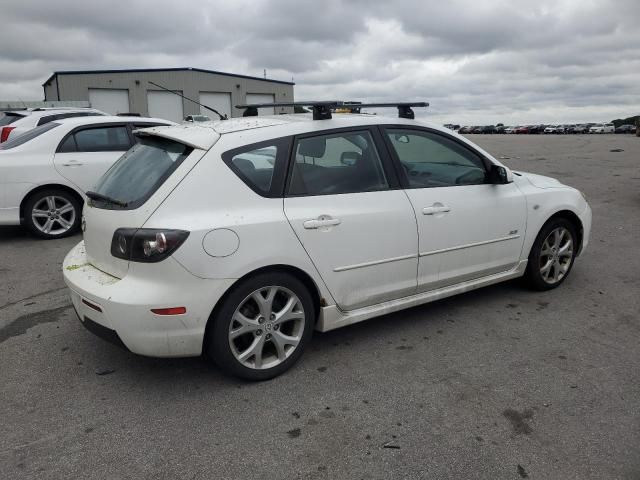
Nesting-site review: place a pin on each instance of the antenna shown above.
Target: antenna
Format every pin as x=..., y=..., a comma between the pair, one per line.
x=222, y=116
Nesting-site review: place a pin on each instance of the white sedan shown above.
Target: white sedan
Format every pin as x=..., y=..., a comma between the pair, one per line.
x=45, y=171
x=239, y=238
x=603, y=128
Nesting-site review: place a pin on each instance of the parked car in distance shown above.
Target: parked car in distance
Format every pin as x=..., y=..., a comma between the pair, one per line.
x=488, y=129
x=626, y=129
x=580, y=129
x=602, y=128
x=554, y=129
x=17, y=122
x=197, y=118
x=45, y=171
x=510, y=130
x=500, y=129
x=220, y=252
x=522, y=129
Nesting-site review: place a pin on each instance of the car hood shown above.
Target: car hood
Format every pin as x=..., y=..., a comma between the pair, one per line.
x=541, y=181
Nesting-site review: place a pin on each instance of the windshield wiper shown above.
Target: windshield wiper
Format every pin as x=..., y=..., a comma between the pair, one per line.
x=105, y=198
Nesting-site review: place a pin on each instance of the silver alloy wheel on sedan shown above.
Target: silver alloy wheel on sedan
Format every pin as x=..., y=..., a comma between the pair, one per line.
x=267, y=327
x=556, y=255
x=53, y=215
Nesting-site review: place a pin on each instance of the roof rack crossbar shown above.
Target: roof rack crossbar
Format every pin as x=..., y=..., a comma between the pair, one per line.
x=322, y=109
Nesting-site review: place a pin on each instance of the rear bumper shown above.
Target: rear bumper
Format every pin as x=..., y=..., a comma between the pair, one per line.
x=120, y=309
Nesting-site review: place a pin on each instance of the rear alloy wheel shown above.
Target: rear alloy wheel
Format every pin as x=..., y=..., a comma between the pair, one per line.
x=262, y=327
x=52, y=214
x=552, y=255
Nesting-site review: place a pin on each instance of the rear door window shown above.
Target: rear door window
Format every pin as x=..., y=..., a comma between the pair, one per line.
x=97, y=139
x=141, y=171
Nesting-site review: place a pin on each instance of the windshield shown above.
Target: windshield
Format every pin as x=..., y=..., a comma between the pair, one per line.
x=27, y=136
x=140, y=172
x=9, y=118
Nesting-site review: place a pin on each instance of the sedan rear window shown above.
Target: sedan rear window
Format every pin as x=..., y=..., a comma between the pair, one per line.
x=140, y=172
x=27, y=136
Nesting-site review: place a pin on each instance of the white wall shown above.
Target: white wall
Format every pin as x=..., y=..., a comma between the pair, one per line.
x=262, y=98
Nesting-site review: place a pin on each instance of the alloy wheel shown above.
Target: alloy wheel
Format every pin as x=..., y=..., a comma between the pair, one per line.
x=556, y=255
x=53, y=215
x=267, y=327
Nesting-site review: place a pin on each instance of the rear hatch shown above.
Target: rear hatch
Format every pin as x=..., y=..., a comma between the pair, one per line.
x=132, y=189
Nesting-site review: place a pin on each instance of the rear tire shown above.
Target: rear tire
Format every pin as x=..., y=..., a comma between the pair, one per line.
x=552, y=255
x=52, y=213
x=262, y=327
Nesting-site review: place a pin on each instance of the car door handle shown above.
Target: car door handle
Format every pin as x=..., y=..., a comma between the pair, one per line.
x=72, y=163
x=433, y=209
x=321, y=222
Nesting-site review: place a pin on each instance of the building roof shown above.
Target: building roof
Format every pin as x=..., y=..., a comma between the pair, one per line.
x=143, y=70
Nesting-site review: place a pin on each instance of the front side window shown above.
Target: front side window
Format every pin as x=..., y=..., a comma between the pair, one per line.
x=141, y=171
x=338, y=163
x=432, y=160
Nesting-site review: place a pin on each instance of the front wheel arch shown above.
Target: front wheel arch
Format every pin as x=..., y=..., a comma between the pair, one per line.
x=573, y=219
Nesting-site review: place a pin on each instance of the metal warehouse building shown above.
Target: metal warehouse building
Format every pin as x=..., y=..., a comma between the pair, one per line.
x=129, y=91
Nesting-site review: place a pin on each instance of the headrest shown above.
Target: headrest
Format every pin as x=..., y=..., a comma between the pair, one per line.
x=312, y=147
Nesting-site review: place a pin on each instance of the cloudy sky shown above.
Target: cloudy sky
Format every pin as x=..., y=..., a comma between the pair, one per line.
x=474, y=61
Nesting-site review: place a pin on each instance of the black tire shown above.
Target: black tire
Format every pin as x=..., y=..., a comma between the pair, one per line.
x=217, y=345
x=533, y=275
x=73, y=217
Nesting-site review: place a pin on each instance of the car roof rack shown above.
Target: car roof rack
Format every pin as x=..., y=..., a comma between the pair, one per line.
x=322, y=110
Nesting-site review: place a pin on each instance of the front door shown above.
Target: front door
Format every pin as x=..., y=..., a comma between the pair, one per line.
x=357, y=227
x=86, y=154
x=468, y=228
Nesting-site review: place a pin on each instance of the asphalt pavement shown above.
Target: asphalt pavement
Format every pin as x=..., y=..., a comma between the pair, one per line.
x=499, y=383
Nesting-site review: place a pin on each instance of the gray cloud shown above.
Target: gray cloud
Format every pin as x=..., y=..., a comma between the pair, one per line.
x=476, y=62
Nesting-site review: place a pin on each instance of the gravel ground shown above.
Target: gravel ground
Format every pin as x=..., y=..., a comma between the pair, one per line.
x=500, y=383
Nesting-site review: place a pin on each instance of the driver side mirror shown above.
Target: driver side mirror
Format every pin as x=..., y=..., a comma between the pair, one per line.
x=498, y=175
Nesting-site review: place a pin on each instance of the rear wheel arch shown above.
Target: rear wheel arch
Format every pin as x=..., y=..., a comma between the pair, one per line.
x=49, y=186
x=296, y=272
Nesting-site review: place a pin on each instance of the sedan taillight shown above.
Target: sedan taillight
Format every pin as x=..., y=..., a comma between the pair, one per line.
x=147, y=245
x=4, y=133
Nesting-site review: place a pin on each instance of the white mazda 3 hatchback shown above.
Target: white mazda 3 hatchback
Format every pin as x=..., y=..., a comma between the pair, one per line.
x=238, y=238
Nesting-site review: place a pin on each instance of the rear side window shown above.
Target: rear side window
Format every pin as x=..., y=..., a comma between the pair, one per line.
x=141, y=171
x=27, y=136
x=9, y=118
x=261, y=166
x=98, y=139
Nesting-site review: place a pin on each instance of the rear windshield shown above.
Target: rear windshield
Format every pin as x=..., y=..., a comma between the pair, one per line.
x=27, y=136
x=140, y=172
x=9, y=118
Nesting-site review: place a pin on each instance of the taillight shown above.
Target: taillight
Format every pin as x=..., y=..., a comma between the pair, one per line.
x=4, y=133
x=146, y=244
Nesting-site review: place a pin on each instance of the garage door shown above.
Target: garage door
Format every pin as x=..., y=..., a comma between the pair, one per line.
x=109, y=100
x=165, y=105
x=262, y=98
x=220, y=101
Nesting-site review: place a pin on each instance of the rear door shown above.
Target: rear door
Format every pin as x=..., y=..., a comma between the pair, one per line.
x=345, y=207
x=86, y=153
